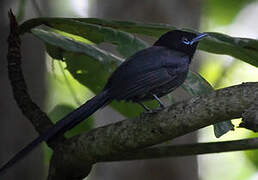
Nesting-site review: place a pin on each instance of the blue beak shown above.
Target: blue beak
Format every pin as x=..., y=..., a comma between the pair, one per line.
x=198, y=38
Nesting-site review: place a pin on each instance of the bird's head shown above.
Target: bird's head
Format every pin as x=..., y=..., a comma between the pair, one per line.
x=182, y=41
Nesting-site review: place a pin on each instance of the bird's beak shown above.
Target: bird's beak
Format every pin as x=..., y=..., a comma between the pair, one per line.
x=198, y=38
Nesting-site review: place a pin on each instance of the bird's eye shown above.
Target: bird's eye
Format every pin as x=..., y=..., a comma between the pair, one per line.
x=185, y=40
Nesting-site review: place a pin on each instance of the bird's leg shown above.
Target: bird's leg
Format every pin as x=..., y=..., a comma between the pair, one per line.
x=161, y=105
x=150, y=111
x=144, y=107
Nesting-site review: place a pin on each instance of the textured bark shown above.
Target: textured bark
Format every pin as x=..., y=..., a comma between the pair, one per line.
x=101, y=144
x=177, y=120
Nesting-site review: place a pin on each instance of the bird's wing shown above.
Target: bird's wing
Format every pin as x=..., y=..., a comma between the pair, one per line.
x=143, y=61
x=142, y=84
x=145, y=71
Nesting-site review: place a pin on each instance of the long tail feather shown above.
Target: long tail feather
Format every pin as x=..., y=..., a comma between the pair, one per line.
x=68, y=122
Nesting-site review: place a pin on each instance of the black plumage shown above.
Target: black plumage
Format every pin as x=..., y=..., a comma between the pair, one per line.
x=148, y=74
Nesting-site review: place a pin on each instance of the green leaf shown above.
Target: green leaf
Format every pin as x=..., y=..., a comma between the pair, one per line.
x=94, y=64
x=242, y=48
x=196, y=85
x=127, y=44
x=149, y=29
x=222, y=128
x=100, y=30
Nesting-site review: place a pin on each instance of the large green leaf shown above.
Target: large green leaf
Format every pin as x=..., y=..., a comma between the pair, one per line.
x=99, y=62
x=242, y=48
x=127, y=44
x=99, y=30
x=64, y=44
x=149, y=29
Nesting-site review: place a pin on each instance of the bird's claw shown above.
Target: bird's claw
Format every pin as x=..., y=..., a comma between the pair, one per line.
x=154, y=111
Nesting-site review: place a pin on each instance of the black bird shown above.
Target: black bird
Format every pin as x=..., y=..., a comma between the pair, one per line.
x=148, y=74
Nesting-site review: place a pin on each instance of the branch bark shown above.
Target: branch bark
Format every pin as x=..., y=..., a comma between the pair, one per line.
x=101, y=144
x=186, y=150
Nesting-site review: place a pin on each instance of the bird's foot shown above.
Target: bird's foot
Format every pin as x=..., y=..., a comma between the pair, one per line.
x=154, y=111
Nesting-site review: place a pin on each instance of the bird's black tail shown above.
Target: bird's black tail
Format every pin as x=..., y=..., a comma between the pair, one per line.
x=68, y=122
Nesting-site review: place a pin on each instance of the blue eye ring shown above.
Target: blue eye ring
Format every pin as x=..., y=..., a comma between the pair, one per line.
x=186, y=41
x=196, y=39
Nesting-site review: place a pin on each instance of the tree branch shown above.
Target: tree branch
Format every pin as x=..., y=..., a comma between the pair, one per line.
x=186, y=150
x=31, y=110
x=101, y=144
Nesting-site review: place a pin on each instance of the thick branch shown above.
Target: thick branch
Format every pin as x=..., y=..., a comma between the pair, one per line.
x=134, y=134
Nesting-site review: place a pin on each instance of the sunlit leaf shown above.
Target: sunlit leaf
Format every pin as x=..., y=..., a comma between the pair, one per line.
x=64, y=44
